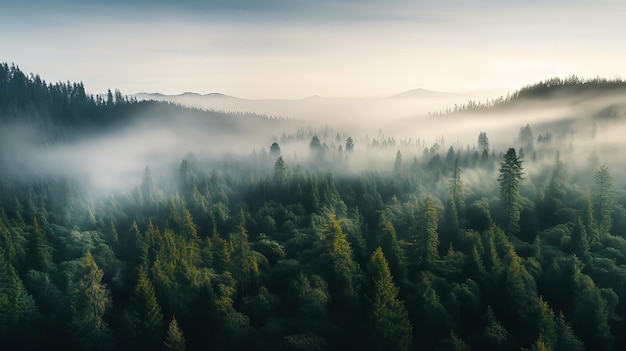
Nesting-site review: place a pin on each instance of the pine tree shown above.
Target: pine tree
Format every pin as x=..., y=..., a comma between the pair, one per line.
x=427, y=238
x=174, y=339
x=397, y=164
x=145, y=314
x=245, y=268
x=388, y=318
x=189, y=233
x=454, y=343
x=147, y=188
x=603, y=198
x=111, y=236
x=339, y=269
x=17, y=307
x=280, y=170
x=39, y=257
x=510, y=179
x=566, y=339
x=275, y=150
x=90, y=301
x=388, y=241
x=526, y=137
x=483, y=142
x=349, y=145
x=580, y=241
x=457, y=190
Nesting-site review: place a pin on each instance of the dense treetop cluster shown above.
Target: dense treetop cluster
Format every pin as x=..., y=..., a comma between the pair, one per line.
x=476, y=248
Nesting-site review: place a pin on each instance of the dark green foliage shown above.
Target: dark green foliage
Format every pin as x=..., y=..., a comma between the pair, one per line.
x=18, y=311
x=252, y=253
x=387, y=316
x=144, y=314
x=90, y=300
x=275, y=150
x=279, y=170
x=427, y=239
x=510, y=177
x=174, y=338
x=388, y=241
x=603, y=199
x=38, y=257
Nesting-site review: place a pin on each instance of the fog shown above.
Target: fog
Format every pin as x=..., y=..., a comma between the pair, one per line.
x=578, y=126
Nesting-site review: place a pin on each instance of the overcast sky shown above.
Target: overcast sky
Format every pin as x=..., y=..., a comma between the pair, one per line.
x=294, y=49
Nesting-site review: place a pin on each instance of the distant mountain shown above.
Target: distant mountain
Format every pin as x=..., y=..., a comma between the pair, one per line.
x=420, y=93
x=324, y=109
x=185, y=95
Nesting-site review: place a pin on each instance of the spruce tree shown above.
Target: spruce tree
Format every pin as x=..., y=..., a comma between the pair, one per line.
x=174, y=339
x=145, y=314
x=90, y=301
x=388, y=318
x=511, y=173
x=388, y=241
x=603, y=199
x=427, y=243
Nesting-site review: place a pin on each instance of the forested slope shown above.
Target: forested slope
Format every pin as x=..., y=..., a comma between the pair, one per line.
x=473, y=248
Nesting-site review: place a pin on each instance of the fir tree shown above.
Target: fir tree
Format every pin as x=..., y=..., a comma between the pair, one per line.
x=174, y=339
x=388, y=318
x=145, y=314
x=90, y=301
x=603, y=198
x=510, y=177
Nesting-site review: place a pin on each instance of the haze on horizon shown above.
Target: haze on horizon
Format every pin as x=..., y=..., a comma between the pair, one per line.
x=294, y=49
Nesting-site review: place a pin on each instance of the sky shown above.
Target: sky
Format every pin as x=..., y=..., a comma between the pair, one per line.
x=291, y=49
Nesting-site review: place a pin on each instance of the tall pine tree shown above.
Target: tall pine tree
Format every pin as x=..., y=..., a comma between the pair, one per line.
x=511, y=173
x=388, y=318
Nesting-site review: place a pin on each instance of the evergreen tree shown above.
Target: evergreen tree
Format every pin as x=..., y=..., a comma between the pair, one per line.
x=275, y=150
x=18, y=310
x=510, y=177
x=526, y=137
x=427, y=238
x=388, y=241
x=111, y=236
x=388, y=318
x=147, y=187
x=316, y=148
x=580, y=241
x=90, y=301
x=189, y=234
x=280, y=170
x=457, y=190
x=454, y=343
x=603, y=198
x=397, y=164
x=145, y=314
x=39, y=257
x=483, y=142
x=174, y=339
x=566, y=340
x=349, y=145
x=555, y=194
x=339, y=269
x=245, y=268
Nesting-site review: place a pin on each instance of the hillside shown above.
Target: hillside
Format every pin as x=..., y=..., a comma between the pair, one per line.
x=553, y=91
x=178, y=228
x=63, y=111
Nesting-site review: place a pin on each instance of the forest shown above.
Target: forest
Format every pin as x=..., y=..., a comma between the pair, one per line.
x=364, y=243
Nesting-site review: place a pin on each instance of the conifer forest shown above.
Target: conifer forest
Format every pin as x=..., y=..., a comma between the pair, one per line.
x=297, y=236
